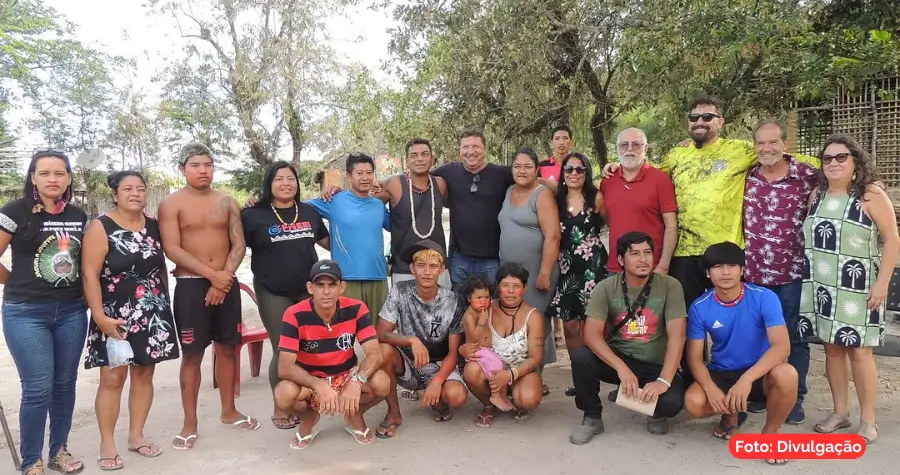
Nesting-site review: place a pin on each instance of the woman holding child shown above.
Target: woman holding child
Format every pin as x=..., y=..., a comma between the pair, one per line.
x=504, y=345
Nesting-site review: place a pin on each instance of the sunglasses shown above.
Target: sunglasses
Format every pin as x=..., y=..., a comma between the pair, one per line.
x=839, y=157
x=474, y=187
x=57, y=151
x=708, y=117
x=575, y=170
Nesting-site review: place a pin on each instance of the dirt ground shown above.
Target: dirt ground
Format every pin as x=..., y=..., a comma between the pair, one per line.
x=537, y=446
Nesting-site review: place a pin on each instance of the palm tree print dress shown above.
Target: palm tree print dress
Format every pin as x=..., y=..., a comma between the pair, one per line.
x=133, y=290
x=842, y=259
x=582, y=264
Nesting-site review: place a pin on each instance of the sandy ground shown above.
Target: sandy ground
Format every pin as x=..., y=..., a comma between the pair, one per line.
x=537, y=446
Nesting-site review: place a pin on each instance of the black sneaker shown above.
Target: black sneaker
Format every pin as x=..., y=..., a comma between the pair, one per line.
x=797, y=415
x=756, y=407
x=658, y=425
x=586, y=431
x=570, y=392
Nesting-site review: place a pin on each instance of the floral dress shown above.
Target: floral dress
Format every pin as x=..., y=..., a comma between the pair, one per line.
x=133, y=290
x=582, y=264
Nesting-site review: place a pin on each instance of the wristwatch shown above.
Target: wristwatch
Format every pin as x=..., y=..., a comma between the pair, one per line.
x=362, y=379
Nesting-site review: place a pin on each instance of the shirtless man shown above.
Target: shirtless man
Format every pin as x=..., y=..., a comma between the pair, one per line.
x=202, y=234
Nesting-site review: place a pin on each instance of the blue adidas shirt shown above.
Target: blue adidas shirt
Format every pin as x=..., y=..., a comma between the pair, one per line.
x=357, y=242
x=738, y=331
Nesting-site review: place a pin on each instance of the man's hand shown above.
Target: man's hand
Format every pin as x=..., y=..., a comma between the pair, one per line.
x=432, y=395
x=716, y=399
x=501, y=378
x=543, y=281
x=468, y=350
x=329, y=191
x=376, y=188
x=661, y=269
x=736, y=399
x=214, y=296
x=222, y=280
x=329, y=399
x=653, y=390
x=350, y=398
x=609, y=169
x=629, y=382
x=251, y=202
x=420, y=353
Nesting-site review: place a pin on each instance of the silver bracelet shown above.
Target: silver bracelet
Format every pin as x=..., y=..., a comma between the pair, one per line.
x=668, y=384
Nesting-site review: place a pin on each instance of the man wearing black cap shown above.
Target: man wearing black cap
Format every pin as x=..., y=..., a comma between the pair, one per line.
x=749, y=352
x=317, y=363
x=420, y=332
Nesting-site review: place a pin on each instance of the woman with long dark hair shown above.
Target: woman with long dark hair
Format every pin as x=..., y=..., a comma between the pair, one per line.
x=126, y=288
x=44, y=314
x=582, y=256
x=847, y=276
x=281, y=232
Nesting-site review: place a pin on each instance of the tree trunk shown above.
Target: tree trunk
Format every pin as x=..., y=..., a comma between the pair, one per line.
x=598, y=135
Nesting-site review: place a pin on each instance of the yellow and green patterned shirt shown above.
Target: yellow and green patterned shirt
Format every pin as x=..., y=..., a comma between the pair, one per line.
x=709, y=185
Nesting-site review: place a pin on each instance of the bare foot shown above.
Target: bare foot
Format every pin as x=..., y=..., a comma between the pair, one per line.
x=486, y=418
x=305, y=434
x=143, y=447
x=501, y=401
x=240, y=421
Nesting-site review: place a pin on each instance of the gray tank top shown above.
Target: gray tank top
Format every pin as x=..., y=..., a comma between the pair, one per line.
x=402, y=234
x=521, y=239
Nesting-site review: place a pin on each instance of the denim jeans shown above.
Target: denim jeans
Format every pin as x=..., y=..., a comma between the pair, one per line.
x=462, y=267
x=789, y=296
x=46, y=340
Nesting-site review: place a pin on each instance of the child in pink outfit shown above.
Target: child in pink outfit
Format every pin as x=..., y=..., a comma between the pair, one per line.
x=478, y=335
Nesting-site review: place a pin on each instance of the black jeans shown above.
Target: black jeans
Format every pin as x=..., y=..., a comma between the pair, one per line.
x=588, y=370
x=271, y=311
x=689, y=272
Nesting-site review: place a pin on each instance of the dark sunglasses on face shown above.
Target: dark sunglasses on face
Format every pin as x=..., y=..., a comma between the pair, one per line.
x=708, y=117
x=575, y=170
x=839, y=157
x=474, y=187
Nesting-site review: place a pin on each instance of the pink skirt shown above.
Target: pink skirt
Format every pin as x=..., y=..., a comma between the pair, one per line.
x=489, y=361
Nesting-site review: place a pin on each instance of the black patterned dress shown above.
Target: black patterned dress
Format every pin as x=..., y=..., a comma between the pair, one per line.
x=133, y=290
x=582, y=264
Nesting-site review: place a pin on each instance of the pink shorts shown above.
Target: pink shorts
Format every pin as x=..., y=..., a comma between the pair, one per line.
x=489, y=361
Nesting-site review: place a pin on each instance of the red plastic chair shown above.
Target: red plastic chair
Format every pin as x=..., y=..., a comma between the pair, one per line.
x=255, y=339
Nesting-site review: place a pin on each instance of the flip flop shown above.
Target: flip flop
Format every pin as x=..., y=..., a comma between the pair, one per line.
x=442, y=415
x=777, y=461
x=359, y=436
x=484, y=420
x=724, y=432
x=301, y=439
x=522, y=416
x=119, y=465
x=387, y=427
x=150, y=447
x=248, y=420
x=185, y=441
x=285, y=423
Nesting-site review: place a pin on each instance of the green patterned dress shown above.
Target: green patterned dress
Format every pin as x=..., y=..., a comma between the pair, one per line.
x=842, y=259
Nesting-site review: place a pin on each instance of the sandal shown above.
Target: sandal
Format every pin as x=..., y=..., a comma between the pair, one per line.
x=117, y=463
x=864, y=428
x=387, y=429
x=285, y=423
x=150, y=451
x=361, y=437
x=442, y=413
x=300, y=440
x=36, y=469
x=187, y=443
x=247, y=423
x=64, y=462
x=522, y=416
x=776, y=461
x=833, y=423
x=484, y=420
x=725, y=432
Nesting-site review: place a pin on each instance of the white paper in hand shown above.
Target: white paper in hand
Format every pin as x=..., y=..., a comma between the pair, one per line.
x=636, y=405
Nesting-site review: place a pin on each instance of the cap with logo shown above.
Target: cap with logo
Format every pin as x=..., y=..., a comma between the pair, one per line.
x=325, y=268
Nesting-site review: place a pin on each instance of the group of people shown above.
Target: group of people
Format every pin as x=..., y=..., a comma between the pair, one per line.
x=761, y=250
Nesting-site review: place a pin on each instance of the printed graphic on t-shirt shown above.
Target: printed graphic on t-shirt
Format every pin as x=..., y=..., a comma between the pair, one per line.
x=291, y=231
x=641, y=328
x=57, y=258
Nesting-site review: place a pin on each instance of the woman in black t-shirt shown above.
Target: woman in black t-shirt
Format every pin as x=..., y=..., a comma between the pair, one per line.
x=44, y=314
x=281, y=232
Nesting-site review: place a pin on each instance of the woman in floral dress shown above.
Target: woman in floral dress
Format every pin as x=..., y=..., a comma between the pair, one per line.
x=582, y=256
x=126, y=289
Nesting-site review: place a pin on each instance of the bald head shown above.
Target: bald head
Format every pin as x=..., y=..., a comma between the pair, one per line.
x=631, y=146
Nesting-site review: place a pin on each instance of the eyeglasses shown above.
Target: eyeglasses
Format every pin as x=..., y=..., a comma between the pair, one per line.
x=575, y=170
x=57, y=151
x=839, y=157
x=630, y=145
x=708, y=117
x=474, y=187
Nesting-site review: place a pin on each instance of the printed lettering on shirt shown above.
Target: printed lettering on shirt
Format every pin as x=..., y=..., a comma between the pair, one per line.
x=57, y=259
x=640, y=328
x=291, y=231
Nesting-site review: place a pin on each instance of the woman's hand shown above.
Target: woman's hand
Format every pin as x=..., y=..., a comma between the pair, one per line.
x=501, y=378
x=468, y=350
x=111, y=327
x=543, y=281
x=877, y=296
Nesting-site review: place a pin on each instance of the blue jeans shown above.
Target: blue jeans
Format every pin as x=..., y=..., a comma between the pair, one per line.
x=462, y=267
x=789, y=296
x=46, y=340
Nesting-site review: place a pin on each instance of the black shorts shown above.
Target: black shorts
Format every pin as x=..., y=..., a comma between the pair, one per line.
x=726, y=379
x=199, y=325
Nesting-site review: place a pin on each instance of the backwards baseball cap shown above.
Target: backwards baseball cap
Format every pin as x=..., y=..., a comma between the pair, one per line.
x=326, y=268
x=723, y=253
x=425, y=244
x=192, y=149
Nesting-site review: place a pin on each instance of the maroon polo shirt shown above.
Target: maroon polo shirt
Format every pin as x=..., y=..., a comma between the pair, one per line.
x=638, y=205
x=550, y=169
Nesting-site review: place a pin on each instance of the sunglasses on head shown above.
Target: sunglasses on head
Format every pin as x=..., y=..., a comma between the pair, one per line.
x=57, y=151
x=574, y=169
x=707, y=117
x=839, y=157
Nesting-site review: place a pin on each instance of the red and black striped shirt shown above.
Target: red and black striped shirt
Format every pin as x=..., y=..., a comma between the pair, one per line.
x=321, y=351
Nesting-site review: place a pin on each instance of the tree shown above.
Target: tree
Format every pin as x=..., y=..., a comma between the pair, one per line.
x=134, y=130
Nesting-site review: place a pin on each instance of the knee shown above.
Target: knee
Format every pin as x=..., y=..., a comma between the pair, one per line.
x=286, y=394
x=38, y=389
x=670, y=403
x=142, y=374
x=860, y=355
x=380, y=384
x=455, y=394
x=835, y=351
x=582, y=358
x=530, y=399
x=224, y=351
x=388, y=356
x=113, y=378
x=695, y=402
x=784, y=376
x=572, y=329
x=473, y=374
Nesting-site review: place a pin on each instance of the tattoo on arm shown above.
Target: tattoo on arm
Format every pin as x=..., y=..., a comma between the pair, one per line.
x=235, y=235
x=535, y=356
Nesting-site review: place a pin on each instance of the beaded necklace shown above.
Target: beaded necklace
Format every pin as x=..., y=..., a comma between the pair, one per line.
x=296, y=213
x=412, y=210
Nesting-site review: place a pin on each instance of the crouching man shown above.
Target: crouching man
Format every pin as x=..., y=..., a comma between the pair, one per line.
x=317, y=363
x=750, y=347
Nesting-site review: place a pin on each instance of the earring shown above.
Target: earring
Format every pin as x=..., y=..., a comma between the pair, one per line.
x=34, y=194
x=854, y=176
